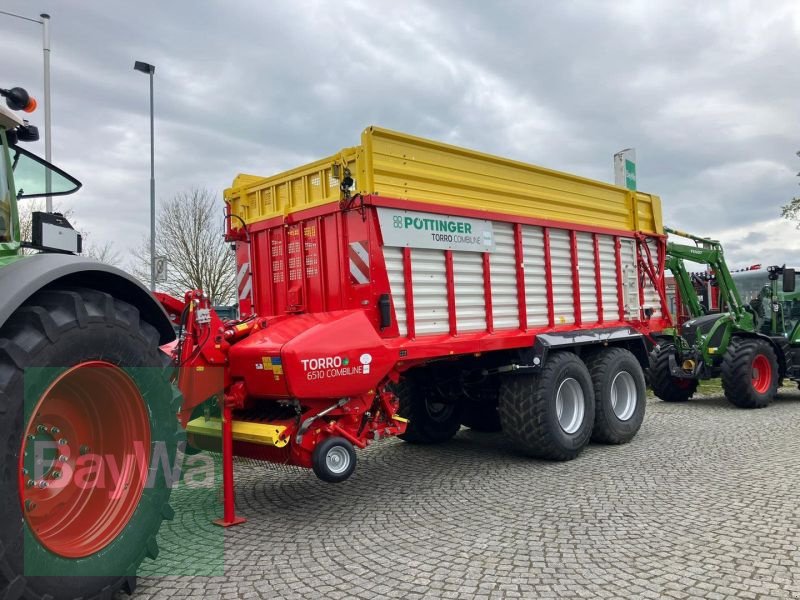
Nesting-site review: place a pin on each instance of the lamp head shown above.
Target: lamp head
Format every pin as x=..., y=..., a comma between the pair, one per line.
x=144, y=67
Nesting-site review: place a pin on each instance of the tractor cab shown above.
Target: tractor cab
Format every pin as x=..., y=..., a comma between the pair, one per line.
x=777, y=304
x=25, y=175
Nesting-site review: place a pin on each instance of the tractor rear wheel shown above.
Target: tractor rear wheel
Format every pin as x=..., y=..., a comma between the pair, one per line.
x=750, y=373
x=87, y=407
x=432, y=418
x=620, y=395
x=550, y=415
x=664, y=384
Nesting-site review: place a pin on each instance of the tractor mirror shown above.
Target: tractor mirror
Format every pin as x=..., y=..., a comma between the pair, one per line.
x=788, y=280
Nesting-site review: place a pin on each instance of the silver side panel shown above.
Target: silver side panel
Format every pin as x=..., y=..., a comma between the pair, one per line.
x=608, y=274
x=535, y=281
x=430, y=291
x=561, y=264
x=393, y=257
x=470, y=300
x=630, y=279
x=505, y=311
x=586, y=277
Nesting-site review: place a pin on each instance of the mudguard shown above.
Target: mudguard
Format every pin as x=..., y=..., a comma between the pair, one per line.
x=22, y=278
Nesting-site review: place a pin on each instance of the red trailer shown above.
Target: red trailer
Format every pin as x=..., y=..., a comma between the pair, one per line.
x=408, y=287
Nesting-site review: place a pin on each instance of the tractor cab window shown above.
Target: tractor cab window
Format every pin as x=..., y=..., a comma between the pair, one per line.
x=5, y=198
x=786, y=316
x=31, y=174
x=791, y=314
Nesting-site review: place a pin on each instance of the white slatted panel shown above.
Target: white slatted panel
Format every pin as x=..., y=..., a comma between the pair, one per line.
x=430, y=291
x=393, y=257
x=630, y=283
x=470, y=300
x=505, y=311
x=535, y=281
x=586, y=276
x=608, y=275
x=651, y=299
x=561, y=265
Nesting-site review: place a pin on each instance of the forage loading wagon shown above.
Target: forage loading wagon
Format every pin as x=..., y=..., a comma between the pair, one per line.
x=408, y=287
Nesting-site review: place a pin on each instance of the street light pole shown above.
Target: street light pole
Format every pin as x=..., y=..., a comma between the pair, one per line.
x=48, y=151
x=144, y=67
x=45, y=23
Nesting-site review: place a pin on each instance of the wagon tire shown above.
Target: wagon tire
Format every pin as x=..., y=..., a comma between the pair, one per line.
x=480, y=414
x=94, y=380
x=482, y=417
x=665, y=386
x=750, y=373
x=334, y=459
x=431, y=419
x=620, y=395
x=550, y=415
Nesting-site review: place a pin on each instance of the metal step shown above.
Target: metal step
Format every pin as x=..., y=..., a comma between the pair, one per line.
x=266, y=434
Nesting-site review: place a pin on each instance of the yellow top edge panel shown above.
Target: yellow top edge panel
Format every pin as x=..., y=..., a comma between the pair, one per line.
x=397, y=165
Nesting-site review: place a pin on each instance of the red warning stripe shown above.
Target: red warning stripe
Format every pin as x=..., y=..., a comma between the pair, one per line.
x=359, y=262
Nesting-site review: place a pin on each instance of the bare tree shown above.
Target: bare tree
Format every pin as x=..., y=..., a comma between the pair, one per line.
x=105, y=253
x=189, y=232
x=791, y=211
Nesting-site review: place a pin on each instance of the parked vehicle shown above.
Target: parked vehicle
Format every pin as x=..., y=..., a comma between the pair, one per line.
x=406, y=287
x=751, y=346
x=83, y=386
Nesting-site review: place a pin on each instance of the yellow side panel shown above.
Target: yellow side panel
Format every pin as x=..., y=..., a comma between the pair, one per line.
x=259, y=198
x=404, y=166
x=397, y=165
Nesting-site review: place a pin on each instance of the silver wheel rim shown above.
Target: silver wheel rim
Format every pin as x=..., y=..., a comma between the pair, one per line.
x=570, y=405
x=623, y=395
x=337, y=460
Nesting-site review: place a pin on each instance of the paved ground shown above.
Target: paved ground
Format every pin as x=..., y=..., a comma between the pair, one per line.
x=705, y=502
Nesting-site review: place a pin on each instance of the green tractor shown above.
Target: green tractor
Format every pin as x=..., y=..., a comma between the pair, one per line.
x=751, y=346
x=87, y=405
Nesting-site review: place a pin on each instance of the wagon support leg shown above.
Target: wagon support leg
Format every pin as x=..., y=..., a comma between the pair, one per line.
x=229, y=504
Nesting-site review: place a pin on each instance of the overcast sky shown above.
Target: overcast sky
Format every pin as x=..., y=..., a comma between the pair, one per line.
x=707, y=93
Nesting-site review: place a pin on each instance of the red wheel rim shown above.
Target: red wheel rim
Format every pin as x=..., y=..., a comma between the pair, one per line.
x=762, y=374
x=90, y=435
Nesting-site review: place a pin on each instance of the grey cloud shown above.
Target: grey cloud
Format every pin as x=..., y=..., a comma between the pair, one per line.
x=706, y=95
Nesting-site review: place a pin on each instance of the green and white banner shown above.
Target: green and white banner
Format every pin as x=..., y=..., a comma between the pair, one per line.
x=625, y=168
x=429, y=230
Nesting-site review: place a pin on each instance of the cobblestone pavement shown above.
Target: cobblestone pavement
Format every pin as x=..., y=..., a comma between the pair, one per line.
x=703, y=503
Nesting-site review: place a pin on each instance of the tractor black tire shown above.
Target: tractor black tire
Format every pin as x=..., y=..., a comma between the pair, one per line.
x=744, y=384
x=431, y=419
x=56, y=338
x=334, y=459
x=529, y=409
x=620, y=395
x=665, y=386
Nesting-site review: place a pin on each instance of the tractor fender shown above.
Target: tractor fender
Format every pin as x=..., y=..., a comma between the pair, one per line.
x=24, y=277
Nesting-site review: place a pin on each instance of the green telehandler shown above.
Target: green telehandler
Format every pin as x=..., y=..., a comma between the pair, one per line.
x=87, y=405
x=751, y=346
